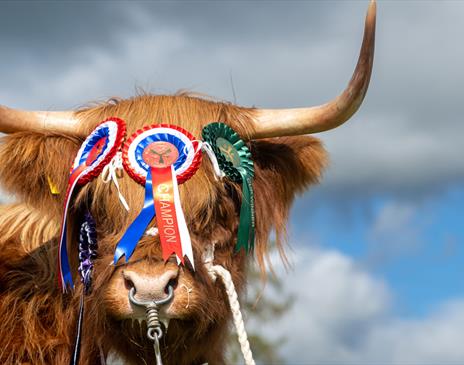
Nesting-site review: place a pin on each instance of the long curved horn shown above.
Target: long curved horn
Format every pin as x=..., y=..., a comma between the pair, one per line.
x=298, y=121
x=13, y=120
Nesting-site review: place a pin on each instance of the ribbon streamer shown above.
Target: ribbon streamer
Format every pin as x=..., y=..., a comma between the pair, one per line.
x=246, y=227
x=64, y=267
x=182, y=225
x=109, y=173
x=206, y=147
x=172, y=228
x=168, y=227
x=135, y=231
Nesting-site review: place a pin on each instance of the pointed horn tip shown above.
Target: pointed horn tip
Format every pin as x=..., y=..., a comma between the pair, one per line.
x=371, y=11
x=369, y=28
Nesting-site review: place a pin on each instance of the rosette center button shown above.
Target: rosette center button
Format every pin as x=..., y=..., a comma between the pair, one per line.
x=160, y=154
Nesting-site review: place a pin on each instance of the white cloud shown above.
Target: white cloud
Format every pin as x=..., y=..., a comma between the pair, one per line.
x=393, y=216
x=344, y=315
x=395, y=231
x=433, y=340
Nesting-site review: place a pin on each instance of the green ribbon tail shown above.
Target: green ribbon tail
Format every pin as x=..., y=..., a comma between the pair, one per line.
x=251, y=239
x=246, y=227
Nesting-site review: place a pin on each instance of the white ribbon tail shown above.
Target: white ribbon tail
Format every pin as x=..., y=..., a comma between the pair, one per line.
x=109, y=174
x=185, y=240
x=209, y=151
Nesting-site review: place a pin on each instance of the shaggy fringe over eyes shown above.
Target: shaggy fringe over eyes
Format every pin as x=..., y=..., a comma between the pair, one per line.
x=284, y=167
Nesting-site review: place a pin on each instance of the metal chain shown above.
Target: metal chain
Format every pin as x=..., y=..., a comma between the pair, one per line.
x=156, y=346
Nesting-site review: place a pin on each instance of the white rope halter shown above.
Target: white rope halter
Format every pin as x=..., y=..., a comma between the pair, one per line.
x=215, y=271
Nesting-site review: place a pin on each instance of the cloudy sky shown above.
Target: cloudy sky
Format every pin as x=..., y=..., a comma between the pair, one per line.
x=378, y=246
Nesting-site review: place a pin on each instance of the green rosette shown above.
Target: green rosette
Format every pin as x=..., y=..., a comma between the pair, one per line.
x=234, y=159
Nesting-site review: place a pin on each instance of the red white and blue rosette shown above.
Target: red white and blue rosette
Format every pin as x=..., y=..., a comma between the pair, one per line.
x=160, y=157
x=99, y=148
x=184, y=142
x=94, y=154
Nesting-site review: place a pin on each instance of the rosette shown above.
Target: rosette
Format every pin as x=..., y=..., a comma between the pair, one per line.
x=235, y=161
x=160, y=157
x=97, y=151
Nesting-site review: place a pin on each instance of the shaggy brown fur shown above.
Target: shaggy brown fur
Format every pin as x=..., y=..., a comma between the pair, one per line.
x=38, y=322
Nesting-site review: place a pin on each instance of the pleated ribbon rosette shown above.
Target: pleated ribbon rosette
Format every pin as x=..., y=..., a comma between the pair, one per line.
x=234, y=159
x=160, y=157
x=94, y=154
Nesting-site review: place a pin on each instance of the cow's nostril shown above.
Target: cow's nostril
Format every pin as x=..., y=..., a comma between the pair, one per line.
x=173, y=282
x=128, y=283
x=150, y=286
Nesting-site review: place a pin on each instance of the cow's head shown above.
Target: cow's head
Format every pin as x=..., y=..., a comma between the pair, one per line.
x=41, y=145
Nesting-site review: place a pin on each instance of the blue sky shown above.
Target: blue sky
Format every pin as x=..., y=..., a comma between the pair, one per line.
x=378, y=246
x=420, y=255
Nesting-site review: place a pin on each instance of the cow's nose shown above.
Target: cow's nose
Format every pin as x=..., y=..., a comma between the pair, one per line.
x=150, y=287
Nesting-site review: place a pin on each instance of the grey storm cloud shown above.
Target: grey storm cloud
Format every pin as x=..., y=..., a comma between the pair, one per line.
x=404, y=140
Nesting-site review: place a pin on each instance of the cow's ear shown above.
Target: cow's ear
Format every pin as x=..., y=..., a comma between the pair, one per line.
x=284, y=167
x=35, y=167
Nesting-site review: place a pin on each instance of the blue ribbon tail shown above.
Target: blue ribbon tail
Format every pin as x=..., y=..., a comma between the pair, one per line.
x=65, y=269
x=136, y=230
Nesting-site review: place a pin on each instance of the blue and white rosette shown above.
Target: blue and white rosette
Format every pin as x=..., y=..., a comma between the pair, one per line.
x=160, y=157
x=94, y=154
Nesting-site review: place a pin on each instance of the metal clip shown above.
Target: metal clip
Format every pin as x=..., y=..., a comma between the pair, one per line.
x=154, y=332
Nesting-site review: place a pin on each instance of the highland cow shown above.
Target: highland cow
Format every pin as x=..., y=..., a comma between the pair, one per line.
x=38, y=321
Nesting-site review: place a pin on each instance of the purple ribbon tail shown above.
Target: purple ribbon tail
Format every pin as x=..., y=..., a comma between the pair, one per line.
x=136, y=230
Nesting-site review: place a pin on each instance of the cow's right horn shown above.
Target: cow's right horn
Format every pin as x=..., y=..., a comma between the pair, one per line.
x=13, y=120
x=298, y=121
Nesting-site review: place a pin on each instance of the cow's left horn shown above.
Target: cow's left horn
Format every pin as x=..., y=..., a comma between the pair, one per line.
x=291, y=122
x=13, y=120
